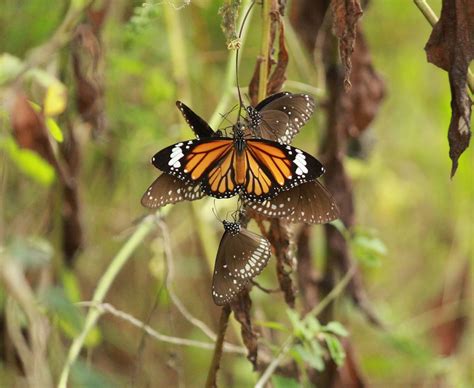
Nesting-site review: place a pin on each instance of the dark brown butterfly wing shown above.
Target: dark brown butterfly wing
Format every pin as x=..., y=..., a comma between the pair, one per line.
x=309, y=203
x=199, y=126
x=167, y=189
x=240, y=258
x=280, y=117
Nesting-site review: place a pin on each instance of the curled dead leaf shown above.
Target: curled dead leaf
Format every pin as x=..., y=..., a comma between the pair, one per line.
x=346, y=14
x=29, y=128
x=241, y=309
x=451, y=47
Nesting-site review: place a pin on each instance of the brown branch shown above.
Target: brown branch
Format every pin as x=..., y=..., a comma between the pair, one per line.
x=211, y=381
x=241, y=309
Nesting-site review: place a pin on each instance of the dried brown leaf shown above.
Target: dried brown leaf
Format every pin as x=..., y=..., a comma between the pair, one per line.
x=241, y=309
x=29, y=128
x=86, y=57
x=346, y=14
x=363, y=100
x=278, y=77
x=451, y=47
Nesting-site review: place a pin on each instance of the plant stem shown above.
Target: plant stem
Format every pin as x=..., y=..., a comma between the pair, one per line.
x=146, y=226
x=264, y=50
x=230, y=71
x=431, y=17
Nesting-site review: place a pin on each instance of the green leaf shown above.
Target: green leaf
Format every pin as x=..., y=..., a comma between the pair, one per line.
x=310, y=356
x=336, y=328
x=368, y=248
x=339, y=225
x=284, y=382
x=55, y=130
x=10, y=67
x=273, y=325
x=336, y=350
x=29, y=162
x=71, y=285
x=31, y=252
x=298, y=327
x=313, y=325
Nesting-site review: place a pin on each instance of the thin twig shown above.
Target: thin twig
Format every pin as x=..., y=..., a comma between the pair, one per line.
x=211, y=381
x=108, y=308
x=315, y=312
x=264, y=289
x=431, y=17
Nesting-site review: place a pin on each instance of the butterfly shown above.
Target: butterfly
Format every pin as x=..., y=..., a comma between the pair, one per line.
x=279, y=117
x=241, y=256
x=258, y=169
x=309, y=202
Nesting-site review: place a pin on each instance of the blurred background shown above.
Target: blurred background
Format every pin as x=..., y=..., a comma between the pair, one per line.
x=418, y=219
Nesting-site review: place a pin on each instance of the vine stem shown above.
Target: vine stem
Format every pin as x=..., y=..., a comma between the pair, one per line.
x=318, y=309
x=108, y=308
x=124, y=254
x=431, y=17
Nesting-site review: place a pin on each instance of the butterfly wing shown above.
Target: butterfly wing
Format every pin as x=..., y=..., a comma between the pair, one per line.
x=310, y=203
x=167, y=189
x=280, y=117
x=273, y=168
x=199, y=126
x=190, y=160
x=240, y=258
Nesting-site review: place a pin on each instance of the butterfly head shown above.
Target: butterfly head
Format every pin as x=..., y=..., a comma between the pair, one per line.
x=231, y=227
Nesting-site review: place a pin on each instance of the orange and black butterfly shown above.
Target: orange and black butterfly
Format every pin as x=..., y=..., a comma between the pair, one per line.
x=309, y=202
x=241, y=256
x=258, y=169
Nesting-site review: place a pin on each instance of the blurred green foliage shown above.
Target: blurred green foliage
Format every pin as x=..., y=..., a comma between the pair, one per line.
x=422, y=219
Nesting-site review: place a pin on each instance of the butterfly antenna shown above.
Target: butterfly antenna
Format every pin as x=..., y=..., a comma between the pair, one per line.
x=241, y=103
x=225, y=116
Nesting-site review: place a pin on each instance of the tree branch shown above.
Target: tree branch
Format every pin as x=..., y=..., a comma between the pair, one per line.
x=211, y=381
